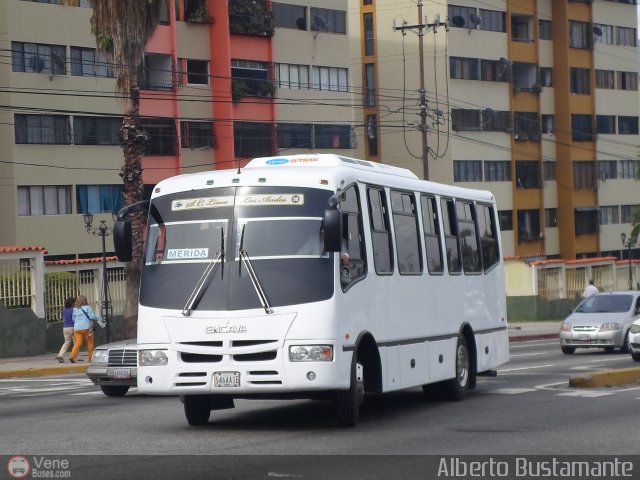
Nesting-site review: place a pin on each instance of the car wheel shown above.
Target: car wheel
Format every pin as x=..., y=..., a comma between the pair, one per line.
x=625, y=344
x=568, y=350
x=348, y=401
x=457, y=388
x=635, y=356
x=114, y=390
x=197, y=409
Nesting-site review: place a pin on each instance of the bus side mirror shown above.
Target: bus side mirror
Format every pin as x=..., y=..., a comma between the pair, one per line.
x=332, y=226
x=122, y=240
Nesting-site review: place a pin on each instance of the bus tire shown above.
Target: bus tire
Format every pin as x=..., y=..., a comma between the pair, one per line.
x=114, y=390
x=348, y=401
x=197, y=409
x=456, y=389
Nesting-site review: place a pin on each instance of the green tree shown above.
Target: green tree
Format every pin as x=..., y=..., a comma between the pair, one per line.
x=122, y=30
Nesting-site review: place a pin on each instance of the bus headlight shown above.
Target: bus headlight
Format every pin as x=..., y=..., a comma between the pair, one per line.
x=148, y=358
x=311, y=353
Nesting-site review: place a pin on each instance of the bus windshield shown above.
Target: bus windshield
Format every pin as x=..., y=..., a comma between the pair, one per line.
x=280, y=229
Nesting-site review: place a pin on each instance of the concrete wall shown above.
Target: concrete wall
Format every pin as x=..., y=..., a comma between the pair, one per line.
x=534, y=308
x=21, y=333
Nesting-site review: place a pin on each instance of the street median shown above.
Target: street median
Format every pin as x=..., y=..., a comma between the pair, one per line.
x=43, y=372
x=606, y=378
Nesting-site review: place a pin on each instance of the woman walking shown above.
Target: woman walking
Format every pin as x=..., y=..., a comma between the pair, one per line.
x=83, y=317
x=67, y=327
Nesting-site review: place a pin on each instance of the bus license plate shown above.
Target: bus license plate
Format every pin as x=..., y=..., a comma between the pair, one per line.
x=121, y=373
x=226, y=379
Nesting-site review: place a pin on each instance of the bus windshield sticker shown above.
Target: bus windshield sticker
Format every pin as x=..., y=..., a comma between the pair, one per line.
x=295, y=199
x=187, y=253
x=196, y=203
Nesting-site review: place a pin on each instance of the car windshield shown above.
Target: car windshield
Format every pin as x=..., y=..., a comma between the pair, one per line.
x=606, y=304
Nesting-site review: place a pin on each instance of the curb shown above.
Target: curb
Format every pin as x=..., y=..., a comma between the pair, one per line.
x=42, y=372
x=606, y=378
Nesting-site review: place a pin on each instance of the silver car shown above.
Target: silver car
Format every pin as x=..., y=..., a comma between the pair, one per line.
x=601, y=321
x=114, y=367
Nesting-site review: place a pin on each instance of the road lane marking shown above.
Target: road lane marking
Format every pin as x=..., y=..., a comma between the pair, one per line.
x=528, y=354
x=532, y=343
x=525, y=368
x=511, y=391
x=587, y=394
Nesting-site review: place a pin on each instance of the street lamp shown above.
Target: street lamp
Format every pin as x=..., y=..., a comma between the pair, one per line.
x=627, y=244
x=103, y=232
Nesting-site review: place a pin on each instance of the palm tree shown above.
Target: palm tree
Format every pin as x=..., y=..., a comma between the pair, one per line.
x=122, y=29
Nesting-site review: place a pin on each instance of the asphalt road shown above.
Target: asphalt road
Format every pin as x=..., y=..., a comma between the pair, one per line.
x=528, y=409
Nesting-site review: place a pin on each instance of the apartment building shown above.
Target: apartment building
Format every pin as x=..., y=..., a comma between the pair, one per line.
x=535, y=100
x=222, y=82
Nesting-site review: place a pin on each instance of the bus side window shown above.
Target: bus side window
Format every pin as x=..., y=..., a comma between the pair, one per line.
x=405, y=225
x=488, y=236
x=432, y=240
x=354, y=239
x=451, y=235
x=469, y=243
x=380, y=231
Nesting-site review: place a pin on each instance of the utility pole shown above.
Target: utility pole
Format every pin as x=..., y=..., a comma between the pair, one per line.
x=423, y=27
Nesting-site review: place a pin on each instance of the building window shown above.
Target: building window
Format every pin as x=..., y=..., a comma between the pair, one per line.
x=324, y=19
x=609, y=215
x=197, y=134
x=490, y=70
x=157, y=73
x=162, y=136
x=96, y=130
x=492, y=20
x=496, y=121
x=546, y=76
x=607, y=169
x=461, y=16
x=370, y=85
x=549, y=170
x=580, y=35
x=544, y=30
x=528, y=174
x=369, y=38
x=333, y=136
x=627, y=213
x=584, y=174
x=464, y=119
x=586, y=219
x=250, y=78
x=292, y=76
x=604, y=34
x=44, y=200
x=467, y=170
x=505, y=219
x=606, y=124
x=252, y=139
x=252, y=17
x=197, y=72
x=581, y=128
x=627, y=125
x=295, y=135
x=521, y=26
x=550, y=217
x=548, y=124
x=289, y=16
x=89, y=62
x=526, y=125
x=528, y=225
x=99, y=198
x=463, y=68
x=627, y=81
x=38, y=58
x=42, y=129
x=580, y=83
x=372, y=135
x=432, y=239
x=629, y=169
x=330, y=78
x=380, y=231
x=605, y=79
x=405, y=223
x=626, y=36
x=497, y=171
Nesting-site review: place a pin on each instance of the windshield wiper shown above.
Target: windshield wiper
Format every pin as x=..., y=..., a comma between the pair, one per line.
x=244, y=256
x=209, y=272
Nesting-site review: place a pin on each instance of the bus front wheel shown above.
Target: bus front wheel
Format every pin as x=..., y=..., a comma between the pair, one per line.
x=197, y=409
x=457, y=388
x=348, y=401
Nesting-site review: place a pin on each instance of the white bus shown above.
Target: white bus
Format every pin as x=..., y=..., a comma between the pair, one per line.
x=316, y=276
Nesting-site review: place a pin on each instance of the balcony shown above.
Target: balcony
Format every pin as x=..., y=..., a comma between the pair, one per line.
x=195, y=11
x=157, y=73
x=250, y=17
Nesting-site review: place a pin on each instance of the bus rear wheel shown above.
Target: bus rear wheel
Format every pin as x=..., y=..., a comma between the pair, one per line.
x=348, y=401
x=457, y=388
x=197, y=409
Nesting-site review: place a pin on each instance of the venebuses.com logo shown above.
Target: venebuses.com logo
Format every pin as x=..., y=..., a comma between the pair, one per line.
x=18, y=467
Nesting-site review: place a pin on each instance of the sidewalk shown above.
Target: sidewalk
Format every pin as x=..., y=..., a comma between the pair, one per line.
x=44, y=365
